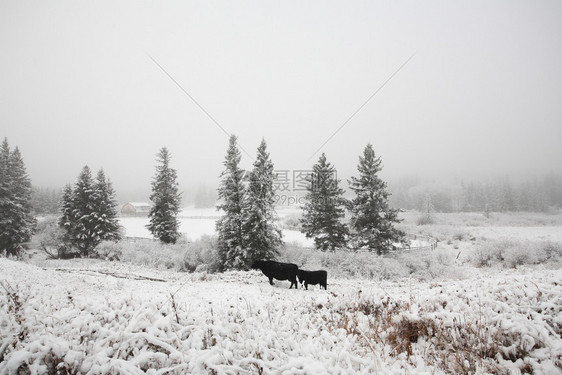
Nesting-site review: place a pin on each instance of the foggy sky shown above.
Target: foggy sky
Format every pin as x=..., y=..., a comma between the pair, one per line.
x=480, y=97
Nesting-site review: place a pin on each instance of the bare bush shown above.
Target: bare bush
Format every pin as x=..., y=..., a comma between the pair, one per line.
x=49, y=239
x=201, y=255
x=514, y=253
x=184, y=256
x=395, y=328
x=346, y=263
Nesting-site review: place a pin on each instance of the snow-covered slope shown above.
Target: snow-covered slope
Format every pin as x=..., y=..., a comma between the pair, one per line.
x=95, y=317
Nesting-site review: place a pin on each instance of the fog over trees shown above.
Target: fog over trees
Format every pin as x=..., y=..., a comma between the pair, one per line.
x=87, y=83
x=447, y=260
x=539, y=194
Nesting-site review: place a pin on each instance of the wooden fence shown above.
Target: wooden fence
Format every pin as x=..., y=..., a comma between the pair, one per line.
x=420, y=242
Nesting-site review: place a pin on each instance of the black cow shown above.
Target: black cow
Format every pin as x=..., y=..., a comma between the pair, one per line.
x=313, y=278
x=277, y=270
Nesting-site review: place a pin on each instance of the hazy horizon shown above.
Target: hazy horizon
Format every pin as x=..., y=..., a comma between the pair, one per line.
x=86, y=83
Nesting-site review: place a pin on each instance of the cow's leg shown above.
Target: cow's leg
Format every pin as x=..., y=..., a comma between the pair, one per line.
x=306, y=285
x=271, y=281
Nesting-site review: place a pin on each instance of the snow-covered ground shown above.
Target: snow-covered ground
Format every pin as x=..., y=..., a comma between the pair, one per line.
x=95, y=317
x=91, y=316
x=197, y=222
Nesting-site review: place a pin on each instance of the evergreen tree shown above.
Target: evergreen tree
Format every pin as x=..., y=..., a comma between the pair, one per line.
x=166, y=199
x=84, y=235
x=105, y=210
x=324, y=208
x=16, y=220
x=6, y=202
x=231, y=195
x=263, y=238
x=66, y=220
x=88, y=213
x=372, y=219
x=22, y=192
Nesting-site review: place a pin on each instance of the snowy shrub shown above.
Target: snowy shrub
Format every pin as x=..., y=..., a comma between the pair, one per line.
x=291, y=222
x=450, y=333
x=108, y=250
x=201, y=255
x=303, y=257
x=183, y=256
x=425, y=220
x=513, y=253
x=552, y=250
x=152, y=254
x=344, y=263
x=520, y=255
x=48, y=238
x=427, y=265
x=459, y=236
x=482, y=257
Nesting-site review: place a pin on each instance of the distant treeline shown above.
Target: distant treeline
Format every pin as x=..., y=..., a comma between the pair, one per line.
x=45, y=201
x=501, y=195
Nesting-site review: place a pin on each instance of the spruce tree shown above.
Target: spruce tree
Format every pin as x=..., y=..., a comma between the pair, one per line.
x=105, y=210
x=6, y=201
x=231, y=195
x=22, y=193
x=263, y=237
x=166, y=199
x=66, y=221
x=372, y=219
x=84, y=235
x=324, y=209
x=88, y=213
x=16, y=220
x=7, y=204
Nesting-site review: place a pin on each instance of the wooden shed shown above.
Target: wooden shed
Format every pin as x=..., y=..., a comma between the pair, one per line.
x=135, y=208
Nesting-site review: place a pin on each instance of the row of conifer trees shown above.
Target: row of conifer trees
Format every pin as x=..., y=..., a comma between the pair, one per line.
x=247, y=230
x=89, y=209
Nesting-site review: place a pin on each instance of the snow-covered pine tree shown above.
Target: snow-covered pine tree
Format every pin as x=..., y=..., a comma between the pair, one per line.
x=231, y=195
x=66, y=221
x=105, y=210
x=22, y=192
x=6, y=202
x=16, y=221
x=263, y=237
x=83, y=233
x=324, y=209
x=372, y=219
x=166, y=199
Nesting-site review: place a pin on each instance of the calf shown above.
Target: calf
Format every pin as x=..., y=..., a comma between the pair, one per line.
x=277, y=270
x=313, y=278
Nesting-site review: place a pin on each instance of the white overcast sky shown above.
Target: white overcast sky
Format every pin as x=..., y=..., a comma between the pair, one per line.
x=482, y=95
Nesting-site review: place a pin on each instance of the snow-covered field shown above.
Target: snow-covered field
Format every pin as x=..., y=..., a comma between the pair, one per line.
x=97, y=317
x=197, y=222
x=101, y=317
